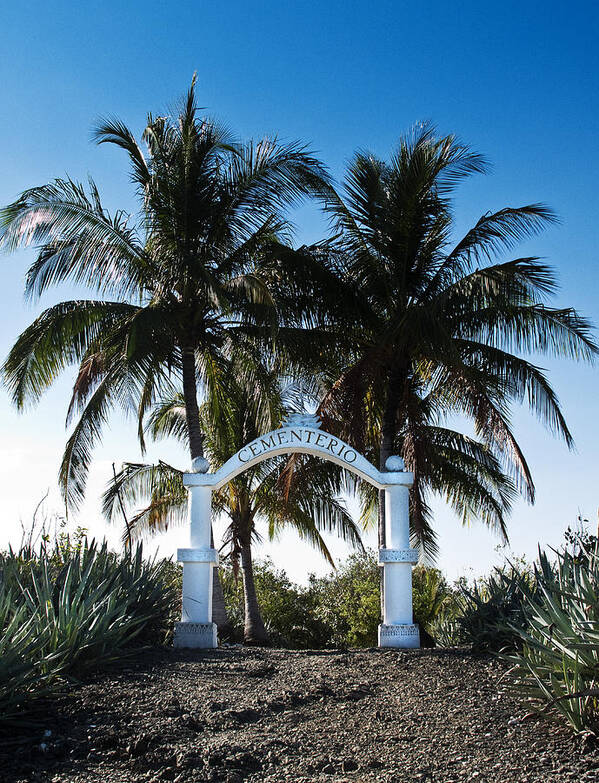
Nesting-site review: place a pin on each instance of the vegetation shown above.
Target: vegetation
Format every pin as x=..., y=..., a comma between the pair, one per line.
x=436, y=329
x=202, y=311
x=68, y=609
x=338, y=610
x=194, y=277
x=248, y=401
x=492, y=610
x=543, y=619
x=557, y=663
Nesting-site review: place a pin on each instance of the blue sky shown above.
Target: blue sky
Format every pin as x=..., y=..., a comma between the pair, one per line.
x=517, y=81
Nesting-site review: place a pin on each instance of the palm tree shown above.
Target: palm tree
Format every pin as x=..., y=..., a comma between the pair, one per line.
x=179, y=286
x=443, y=331
x=244, y=405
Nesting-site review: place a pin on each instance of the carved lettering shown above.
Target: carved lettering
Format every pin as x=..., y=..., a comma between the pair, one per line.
x=261, y=446
x=269, y=443
x=332, y=444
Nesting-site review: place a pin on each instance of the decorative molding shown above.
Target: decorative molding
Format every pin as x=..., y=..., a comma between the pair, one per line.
x=196, y=555
x=197, y=635
x=398, y=556
x=401, y=636
x=400, y=630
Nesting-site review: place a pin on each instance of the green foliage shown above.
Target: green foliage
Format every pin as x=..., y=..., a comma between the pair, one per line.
x=203, y=266
x=73, y=608
x=339, y=610
x=557, y=664
x=21, y=661
x=432, y=597
x=287, y=609
x=438, y=327
x=348, y=601
x=492, y=609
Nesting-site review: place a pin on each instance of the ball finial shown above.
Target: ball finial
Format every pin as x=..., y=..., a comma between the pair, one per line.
x=395, y=464
x=199, y=465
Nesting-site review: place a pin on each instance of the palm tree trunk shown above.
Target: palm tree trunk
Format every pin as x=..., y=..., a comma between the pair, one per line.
x=254, y=631
x=219, y=609
x=192, y=411
x=196, y=448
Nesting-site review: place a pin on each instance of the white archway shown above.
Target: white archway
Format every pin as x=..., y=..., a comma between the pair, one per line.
x=300, y=433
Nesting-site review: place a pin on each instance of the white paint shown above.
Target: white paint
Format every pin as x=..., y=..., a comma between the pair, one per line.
x=196, y=628
x=301, y=434
x=302, y=440
x=397, y=514
x=397, y=629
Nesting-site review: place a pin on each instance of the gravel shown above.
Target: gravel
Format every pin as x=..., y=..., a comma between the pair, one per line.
x=239, y=714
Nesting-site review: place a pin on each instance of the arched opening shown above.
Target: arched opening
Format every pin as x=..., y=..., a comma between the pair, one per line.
x=300, y=434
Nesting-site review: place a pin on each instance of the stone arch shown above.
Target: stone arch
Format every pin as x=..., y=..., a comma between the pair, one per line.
x=299, y=434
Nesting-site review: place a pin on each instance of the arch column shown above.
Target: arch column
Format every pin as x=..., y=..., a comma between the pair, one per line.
x=397, y=558
x=196, y=628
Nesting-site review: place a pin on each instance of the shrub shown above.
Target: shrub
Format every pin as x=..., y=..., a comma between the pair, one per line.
x=557, y=664
x=339, y=610
x=492, y=610
x=71, y=609
x=347, y=602
x=287, y=609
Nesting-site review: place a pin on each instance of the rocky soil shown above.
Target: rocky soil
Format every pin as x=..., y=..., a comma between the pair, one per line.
x=237, y=715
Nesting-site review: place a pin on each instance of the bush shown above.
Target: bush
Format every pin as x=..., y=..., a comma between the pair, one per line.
x=339, y=610
x=492, y=611
x=557, y=664
x=72, y=609
x=347, y=602
x=287, y=609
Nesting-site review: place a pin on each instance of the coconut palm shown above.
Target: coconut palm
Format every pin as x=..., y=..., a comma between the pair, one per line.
x=244, y=405
x=444, y=330
x=178, y=286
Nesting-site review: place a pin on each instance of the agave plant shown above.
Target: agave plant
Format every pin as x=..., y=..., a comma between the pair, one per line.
x=24, y=665
x=60, y=616
x=493, y=608
x=557, y=666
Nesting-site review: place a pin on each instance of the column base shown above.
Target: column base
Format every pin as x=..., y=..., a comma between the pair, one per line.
x=201, y=636
x=401, y=636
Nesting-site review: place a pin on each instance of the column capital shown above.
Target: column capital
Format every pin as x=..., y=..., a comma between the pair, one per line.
x=393, y=478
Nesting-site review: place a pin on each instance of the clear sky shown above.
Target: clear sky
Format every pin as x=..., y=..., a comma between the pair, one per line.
x=517, y=81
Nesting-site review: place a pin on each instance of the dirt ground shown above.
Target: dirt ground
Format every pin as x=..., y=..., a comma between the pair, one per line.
x=237, y=715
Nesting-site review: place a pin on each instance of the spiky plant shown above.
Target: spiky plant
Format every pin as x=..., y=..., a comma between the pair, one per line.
x=557, y=666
